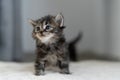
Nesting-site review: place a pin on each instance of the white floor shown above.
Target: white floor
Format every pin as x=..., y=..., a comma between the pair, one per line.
x=84, y=70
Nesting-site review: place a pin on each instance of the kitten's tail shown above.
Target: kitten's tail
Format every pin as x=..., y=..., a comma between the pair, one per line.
x=77, y=38
x=72, y=47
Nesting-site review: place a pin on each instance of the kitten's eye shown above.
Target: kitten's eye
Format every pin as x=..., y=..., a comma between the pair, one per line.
x=47, y=27
x=37, y=29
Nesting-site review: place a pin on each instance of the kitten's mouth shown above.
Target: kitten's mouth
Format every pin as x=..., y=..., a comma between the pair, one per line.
x=38, y=36
x=45, y=39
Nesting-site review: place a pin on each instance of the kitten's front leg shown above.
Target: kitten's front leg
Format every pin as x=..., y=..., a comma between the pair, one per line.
x=39, y=68
x=64, y=66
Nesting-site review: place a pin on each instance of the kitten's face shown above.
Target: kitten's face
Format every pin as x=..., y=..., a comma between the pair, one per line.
x=48, y=28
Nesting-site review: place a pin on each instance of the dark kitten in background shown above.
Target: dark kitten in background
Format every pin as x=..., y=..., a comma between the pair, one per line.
x=52, y=49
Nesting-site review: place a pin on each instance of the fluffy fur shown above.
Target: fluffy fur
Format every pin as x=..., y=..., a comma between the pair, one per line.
x=51, y=47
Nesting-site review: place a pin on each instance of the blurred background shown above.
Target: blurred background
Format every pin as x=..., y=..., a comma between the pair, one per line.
x=99, y=20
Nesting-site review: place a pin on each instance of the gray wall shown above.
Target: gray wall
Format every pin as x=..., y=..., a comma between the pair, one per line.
x=115, y=29
x=6, y=49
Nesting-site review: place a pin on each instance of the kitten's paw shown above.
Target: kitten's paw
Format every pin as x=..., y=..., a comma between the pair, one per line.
x=39, y=73
x=65, y=72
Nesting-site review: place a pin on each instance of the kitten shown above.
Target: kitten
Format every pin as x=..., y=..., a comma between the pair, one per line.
x=51, y=46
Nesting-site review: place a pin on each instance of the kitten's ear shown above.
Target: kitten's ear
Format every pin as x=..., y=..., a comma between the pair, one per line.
x=59, y=19
x=32, y=22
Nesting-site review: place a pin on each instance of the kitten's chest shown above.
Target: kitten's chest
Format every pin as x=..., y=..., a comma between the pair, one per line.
x=46, y=39
x=51, y=59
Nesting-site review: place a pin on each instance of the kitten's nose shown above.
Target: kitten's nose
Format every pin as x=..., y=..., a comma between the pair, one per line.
x=41, y=32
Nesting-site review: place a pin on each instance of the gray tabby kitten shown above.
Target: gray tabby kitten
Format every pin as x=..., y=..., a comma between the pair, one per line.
x=51, y=46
